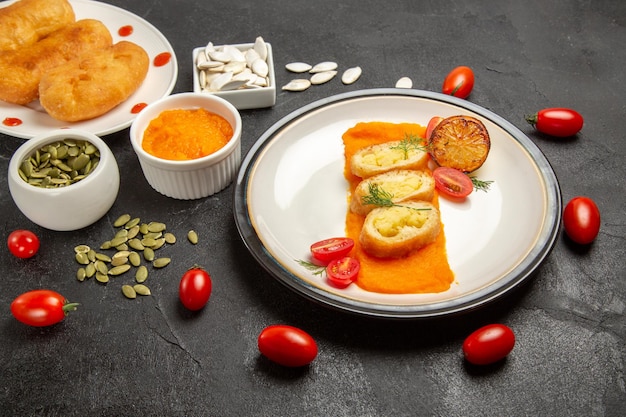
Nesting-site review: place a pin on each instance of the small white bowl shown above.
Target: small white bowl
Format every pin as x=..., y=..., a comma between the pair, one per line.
x=250, y=98
x=194, y=178
x=71, y=207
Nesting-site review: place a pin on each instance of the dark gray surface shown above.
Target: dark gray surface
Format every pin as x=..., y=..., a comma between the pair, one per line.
x=149, y=357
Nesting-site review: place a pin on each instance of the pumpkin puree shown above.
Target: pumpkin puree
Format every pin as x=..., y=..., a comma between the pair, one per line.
x=184, y=134
x=423, y=271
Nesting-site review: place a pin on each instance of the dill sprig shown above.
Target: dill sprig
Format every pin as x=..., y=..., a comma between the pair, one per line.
x=381, y=198
x=409, y=143
x=480, y=185
x=315, y=269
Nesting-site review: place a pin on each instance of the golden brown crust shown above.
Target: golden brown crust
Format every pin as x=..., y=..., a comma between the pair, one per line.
x=377, y=159
x=21, y=70
x=402, y=185
x=27, y=21
x=393, y=232
x=89, y=87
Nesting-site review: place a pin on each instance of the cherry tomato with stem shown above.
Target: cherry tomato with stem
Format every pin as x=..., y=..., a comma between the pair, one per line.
x=489, y=344
x=557, y=121
x=459, y=82
x=452, y=183
x=432, y=124
x=195, y=288
x=581, y=220
x=23, y=243
x=328, y=249
x=41, y=308
x=287, y=345
x=343, y=271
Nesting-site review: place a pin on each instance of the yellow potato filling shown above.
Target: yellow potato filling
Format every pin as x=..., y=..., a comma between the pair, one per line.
x=395, y=219
x=400, y=189
x=386, y=157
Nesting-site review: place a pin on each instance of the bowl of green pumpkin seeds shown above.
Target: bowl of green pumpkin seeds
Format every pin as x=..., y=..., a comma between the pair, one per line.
x=63, y=180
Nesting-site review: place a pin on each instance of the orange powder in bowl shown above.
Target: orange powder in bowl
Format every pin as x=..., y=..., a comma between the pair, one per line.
x=424, y=271
x=184, y=134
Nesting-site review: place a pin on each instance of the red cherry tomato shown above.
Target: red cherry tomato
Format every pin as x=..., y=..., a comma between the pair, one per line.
x=432, y=124
x=194, y=289
x=23, y=243
x=581, y=220
x=452, y=182
x=328, y=249
x=488, y=344
x=41, y=308
x=343, y=271
x=557, y=121
x=287, y=345
x=459, y=82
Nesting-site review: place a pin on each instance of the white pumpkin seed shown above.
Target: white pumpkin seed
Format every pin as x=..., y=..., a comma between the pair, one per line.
x=322, y=77
x=260, y=47
x=404, y=82
x=297, y=85
x=260, y=68
x=351, y=75
x=298, y=67
x=323, y=66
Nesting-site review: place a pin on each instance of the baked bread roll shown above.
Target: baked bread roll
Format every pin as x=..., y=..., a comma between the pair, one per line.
x=399, y=185
x=91, y=86
x=393, y=232
x=376, y=159
x=22, y=69
x=26, y=21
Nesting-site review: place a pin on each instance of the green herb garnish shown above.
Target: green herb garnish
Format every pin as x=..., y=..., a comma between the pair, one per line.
x=315, y=269
x=409, y=143
x=381, y=198
x=480, y=185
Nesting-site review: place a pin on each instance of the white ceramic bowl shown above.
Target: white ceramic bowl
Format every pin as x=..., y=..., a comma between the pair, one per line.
x=71, y=207
x=195, y=178
x=250, y=98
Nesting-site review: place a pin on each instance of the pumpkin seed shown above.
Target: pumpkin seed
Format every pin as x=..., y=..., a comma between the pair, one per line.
x=136, y=244
x=103, y=278
x=106, y=245
x=123, y=246
x=158, y=243
x=156, y=227
x=119, y=270
x=161, y=262
x=82, y=248
x=129, y=292
x=103, y=257
x=101, y=267
x=91, y=255
x=117, y=241
x=134, y=259
x=122, y=220
x=148, y=242
x=141, y=289
x=192, y=236
x=122, y=233
x=81, y=274
x=133, y=232
x=120, y=260
x=143, y=229
x=82, y=258
x=169, y=238
x=90, y=270
x=132, y=223
x=141, y=275
x=148, y=254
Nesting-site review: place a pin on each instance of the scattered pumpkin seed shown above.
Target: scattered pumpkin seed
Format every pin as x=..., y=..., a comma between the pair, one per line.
x=119, y=270
x=141, y=289
x=132, y=223
x=134, y=259
x=106, y=245
x=141, y=275
x=122, y=233
x=156, y=227
x=117, y=241
x=90, y=270
x=91, y=255
x=158, y=243
x=148, y=242
x=148, y=254
x=101, y=267
x=169, y=238
x=82, y=258
x=81, y=274
x=122, y=220
x=143, y=228
x=103, y=278
x=103, y=257
x=123, y=246
x=133, y=232
x=136, y=244
x=129, y=292
x=161, y=262
x=120, y=260
x=192, y=236
x=82, y=248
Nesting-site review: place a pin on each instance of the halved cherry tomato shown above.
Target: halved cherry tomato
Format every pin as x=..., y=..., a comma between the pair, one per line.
x=287, y=345
x=328, y=249
x=459, y=82
x=452, y=182
x=557, y=121
x=194, y=289
x=41, y=308
x=581, y=220
x=343, y=271
x=488, y=344
x=23, y=243
x=432, y=123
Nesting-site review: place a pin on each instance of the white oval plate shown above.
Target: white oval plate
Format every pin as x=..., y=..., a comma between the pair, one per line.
x=159, y=82
x=291, y=192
